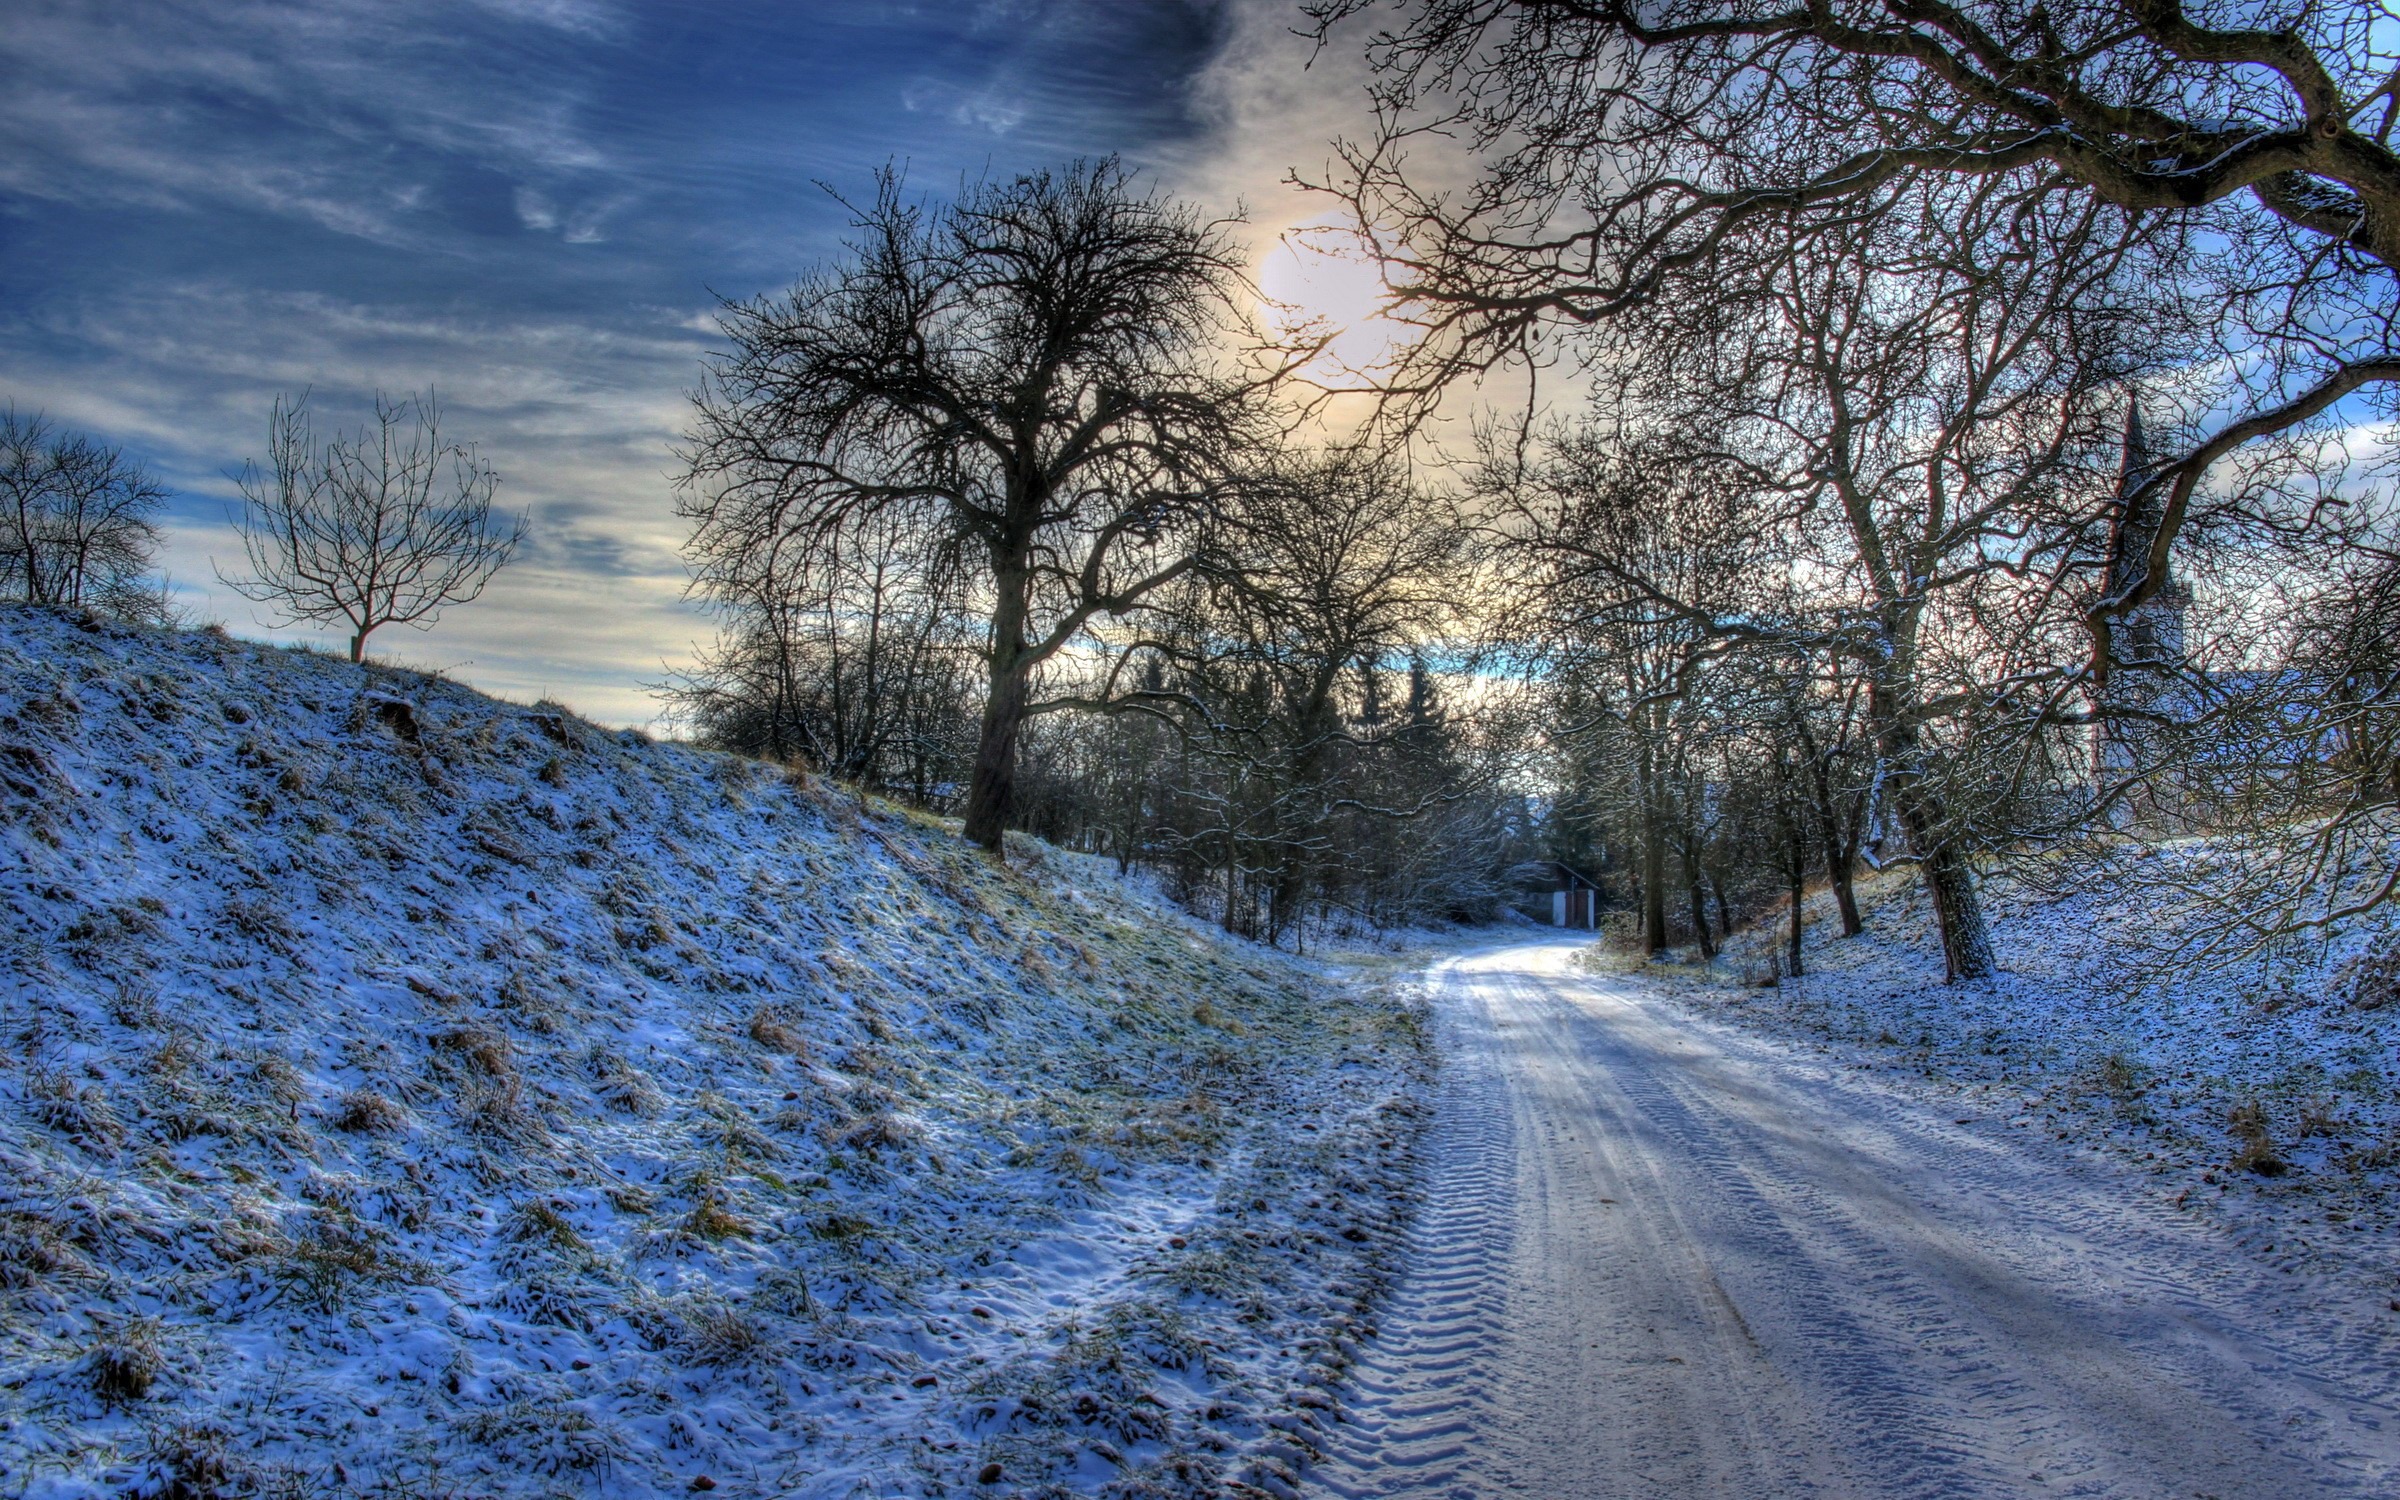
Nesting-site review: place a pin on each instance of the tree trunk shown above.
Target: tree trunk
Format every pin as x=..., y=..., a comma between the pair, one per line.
x=1839, y=869
x=1654, y=859
x=1839, y=856
x=358, y=646
x=995, y=775
x=993, y=783
x=1949, y=880
x=1233, y=872
x=1796, y=873
x=1716, y=889
x=1691, y=883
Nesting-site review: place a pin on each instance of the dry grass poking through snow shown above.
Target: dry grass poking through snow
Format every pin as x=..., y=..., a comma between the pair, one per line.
x=2266, y=1093
x=407, y=1094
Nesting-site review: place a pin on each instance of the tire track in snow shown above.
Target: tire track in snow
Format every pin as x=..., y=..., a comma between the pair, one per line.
x=1419, y=1398
x=2078, y=1330
x=1663, y=1258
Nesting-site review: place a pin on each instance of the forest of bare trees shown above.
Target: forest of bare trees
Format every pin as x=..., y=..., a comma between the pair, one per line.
x=1950, y=460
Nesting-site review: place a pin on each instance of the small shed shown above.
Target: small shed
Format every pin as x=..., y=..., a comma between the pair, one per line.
x=1574, y=898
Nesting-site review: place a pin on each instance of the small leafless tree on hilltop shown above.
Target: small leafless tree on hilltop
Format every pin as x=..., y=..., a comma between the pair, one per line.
x=390, y=525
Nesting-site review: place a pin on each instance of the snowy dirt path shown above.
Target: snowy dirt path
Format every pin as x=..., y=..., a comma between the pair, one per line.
x=1660, y=1257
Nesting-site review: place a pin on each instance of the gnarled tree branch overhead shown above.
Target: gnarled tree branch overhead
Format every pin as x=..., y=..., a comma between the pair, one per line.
x=1627, y=151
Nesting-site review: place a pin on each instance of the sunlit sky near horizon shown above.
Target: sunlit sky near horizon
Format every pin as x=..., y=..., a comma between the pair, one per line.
x=530, y=205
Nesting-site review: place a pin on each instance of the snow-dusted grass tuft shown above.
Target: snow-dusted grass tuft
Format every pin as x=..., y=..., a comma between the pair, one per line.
x=404, y=1093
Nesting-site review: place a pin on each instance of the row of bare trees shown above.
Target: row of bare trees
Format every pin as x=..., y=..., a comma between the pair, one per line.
x=999, y=513
x=1858, y=550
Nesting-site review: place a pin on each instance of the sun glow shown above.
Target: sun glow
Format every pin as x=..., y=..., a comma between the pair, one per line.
x=1319, y=282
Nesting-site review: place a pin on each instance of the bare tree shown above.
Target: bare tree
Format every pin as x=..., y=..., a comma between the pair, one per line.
x=845, y=648
x=1032, y=377
x=1629, y=550
x=388, y=526
x=78, y=519
x=1340, y=567
x=2270, y=726
x=1928, y=417
x=1634, y=150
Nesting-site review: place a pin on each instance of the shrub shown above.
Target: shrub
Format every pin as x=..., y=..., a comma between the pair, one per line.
x=539, y=1222
x=134, y=1006
x=497, y=1108
x=125, y=1362
x=336, y=1259
x=718, y=1334
x=880, y=1132
x=2256, y=1149
x=480, y=1049
x=771, y=1032
x=532, y=1003
x=33, y=1250
x=2321, y=1116
x=713, y=1219
x=2370, y=981
x=365, y=1112
x=542, y=1437
x=80, y=1112
x=262, y=919
x=620, y=1084
x=2119, y=1077
x=191, y=1461
x=282, y=1081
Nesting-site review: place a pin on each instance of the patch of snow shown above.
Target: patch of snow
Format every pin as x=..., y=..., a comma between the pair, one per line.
x=1664, y=1255
x=406, y=1093
x=2196, y=1075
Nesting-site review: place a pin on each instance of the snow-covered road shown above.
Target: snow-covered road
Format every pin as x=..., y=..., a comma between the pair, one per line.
x=1661, y=1257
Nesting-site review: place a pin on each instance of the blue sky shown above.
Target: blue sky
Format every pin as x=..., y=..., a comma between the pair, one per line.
x=528, y=204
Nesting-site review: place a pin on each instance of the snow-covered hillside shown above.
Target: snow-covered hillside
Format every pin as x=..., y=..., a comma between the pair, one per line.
x=2263, y=1092
x=408, y=1094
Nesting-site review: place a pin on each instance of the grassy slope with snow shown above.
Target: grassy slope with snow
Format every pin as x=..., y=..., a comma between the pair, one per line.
x=405, y=1093
x=2179, y=1070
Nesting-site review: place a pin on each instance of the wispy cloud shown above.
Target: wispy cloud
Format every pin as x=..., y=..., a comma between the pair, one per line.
x=360, y=117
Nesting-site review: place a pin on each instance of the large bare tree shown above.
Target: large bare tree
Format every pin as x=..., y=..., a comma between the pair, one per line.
x=388, y=525
x=1034, y=377
x=1631, y=150
x=1927, y=417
